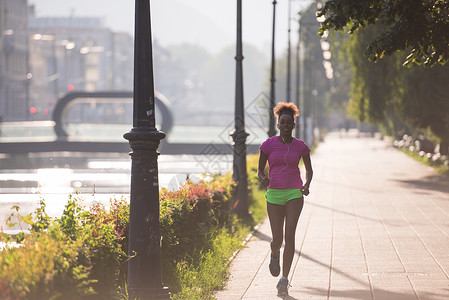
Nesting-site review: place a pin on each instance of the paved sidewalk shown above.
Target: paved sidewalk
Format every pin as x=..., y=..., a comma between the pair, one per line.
x=375, y=226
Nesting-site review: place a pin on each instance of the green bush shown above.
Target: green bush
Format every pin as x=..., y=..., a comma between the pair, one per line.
x=76, y=256
x=82, y=254
x=105, y=235
x=189, y=221
x=45, y=267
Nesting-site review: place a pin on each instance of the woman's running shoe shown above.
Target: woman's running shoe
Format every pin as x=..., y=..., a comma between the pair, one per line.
x=282, y=286
x=275, y=268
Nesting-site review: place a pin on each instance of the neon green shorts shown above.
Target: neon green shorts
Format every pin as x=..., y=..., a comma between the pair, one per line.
x=282, y=196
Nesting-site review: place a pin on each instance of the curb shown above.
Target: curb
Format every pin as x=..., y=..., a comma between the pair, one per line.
x=245, y=241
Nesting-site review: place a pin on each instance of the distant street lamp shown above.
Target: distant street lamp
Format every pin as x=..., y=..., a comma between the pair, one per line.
x=288, y=51
x=299, y=104
x=145, y=265
x=239, y=136
x=271, y=128
x=309, y=116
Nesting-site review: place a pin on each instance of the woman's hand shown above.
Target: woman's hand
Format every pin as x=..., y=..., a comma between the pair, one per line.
x=309, y=174
x=263, y=158
x=305, y=190
x=265, y=181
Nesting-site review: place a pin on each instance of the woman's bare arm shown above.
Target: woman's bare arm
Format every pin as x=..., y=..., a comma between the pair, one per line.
x=309, y=174
x=263, y=158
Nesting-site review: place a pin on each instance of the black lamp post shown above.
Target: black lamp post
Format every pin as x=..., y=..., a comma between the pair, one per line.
x=299, y=122
x=239, y=135
x=271, y=129
x=288, y=52
x=145, y=267
x=306, y=94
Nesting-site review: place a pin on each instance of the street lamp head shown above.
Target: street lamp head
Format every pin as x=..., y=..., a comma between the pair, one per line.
x=325, y=45
x=319, y=16
x=70, y=45
x=320, y=19
x=84, y=50
x=37, y=36
x=42, y=37
x=95, y=49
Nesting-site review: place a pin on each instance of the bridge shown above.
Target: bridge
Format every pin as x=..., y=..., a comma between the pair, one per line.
x=86, y=122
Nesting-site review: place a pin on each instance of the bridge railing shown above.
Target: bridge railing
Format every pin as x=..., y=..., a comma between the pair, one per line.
x=76, y=111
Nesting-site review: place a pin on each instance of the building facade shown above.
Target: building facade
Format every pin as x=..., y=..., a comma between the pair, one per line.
x=68, y=54
x=14, y=63
x=44, y=58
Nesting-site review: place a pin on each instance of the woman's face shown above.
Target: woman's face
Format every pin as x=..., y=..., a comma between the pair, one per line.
x=286, y=124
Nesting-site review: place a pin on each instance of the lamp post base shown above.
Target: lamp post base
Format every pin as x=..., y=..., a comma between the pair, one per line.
x=145, y=267
x=240, y=206
x=149, y=294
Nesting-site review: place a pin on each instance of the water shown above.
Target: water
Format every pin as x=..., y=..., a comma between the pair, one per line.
x=101, y=181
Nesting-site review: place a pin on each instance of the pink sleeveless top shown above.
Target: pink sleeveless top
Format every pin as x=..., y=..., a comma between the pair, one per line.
x=283, y=161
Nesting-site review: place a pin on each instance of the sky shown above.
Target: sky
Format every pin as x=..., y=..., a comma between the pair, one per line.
x=207, y=23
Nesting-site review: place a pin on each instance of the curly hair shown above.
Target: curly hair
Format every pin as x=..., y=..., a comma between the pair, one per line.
x=286, y=108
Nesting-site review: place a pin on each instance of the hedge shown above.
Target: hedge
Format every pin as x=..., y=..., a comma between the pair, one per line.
x=82, y=254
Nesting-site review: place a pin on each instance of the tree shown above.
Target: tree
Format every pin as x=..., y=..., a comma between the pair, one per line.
x=382, y=90
x=386, y=93
x=420, y=27
x=426, y=101
x=374, y=85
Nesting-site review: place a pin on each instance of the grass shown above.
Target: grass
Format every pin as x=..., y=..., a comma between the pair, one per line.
x=201, y=280
x=441, y=168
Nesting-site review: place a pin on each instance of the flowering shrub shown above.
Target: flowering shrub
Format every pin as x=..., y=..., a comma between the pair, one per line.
x=104, y=233
x=82, y=254
x=46, y=266
x=76, y=256
x=188, y=217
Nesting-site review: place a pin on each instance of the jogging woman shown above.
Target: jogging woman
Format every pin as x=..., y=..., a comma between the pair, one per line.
x=285, y=189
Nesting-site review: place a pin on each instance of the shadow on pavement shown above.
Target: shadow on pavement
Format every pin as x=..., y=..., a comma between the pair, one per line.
x=351, y=214
x=287, y=297
x=366, y=294
x=368, y=189
x=264, y=237
x=438, y=183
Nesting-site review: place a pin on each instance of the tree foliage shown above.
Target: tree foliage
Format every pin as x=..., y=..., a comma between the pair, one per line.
x=384, y=92
x=426, y=93
x=419, y=27
x=374, y=85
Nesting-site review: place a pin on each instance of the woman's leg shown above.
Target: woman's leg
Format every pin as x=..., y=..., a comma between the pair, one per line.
x=276, y=214
x=292, y=211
